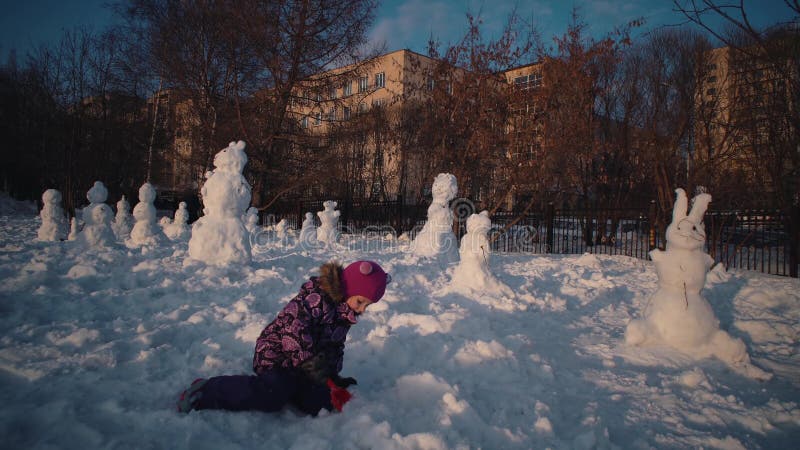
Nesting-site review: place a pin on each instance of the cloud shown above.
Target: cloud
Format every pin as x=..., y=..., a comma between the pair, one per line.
x=409, y=24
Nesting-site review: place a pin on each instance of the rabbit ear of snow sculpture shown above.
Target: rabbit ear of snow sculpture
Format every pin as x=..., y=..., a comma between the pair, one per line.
x=687, y=231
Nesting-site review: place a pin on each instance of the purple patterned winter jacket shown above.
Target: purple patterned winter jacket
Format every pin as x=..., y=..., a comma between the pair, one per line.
x=311, y=326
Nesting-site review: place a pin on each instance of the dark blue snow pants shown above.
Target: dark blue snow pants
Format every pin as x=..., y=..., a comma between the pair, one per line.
x=269, y=392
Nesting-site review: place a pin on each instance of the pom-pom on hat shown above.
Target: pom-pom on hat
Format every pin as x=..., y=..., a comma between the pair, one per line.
x=365, y=278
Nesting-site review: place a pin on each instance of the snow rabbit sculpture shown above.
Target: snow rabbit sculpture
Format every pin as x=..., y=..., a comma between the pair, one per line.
x=677, y=315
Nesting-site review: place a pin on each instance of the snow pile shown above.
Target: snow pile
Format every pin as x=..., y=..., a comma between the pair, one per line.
x=9, y=206
x=178, y=228
x=96, y=346
x=219, y=237
x=308, y=232
x=473, y=275
x=97, y=218
x=145, y=232
x=328, y=231
x=123, y=221
x=436, y=237
x=677, y=314
x=54, y=221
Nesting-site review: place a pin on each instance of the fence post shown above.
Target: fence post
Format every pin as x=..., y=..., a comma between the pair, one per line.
x=794, y=239
x=549, y=220
x=301, y=215
x=398, y=216
x=651, y=219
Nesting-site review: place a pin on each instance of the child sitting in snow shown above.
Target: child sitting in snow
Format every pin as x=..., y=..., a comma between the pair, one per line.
x=299, y=355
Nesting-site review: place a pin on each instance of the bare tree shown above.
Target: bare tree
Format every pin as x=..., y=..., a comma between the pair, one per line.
x=457, y=113
x=765, y=62
x=73, y=117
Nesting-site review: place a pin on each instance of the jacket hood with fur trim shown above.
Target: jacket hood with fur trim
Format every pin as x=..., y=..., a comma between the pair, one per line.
x=330, y=280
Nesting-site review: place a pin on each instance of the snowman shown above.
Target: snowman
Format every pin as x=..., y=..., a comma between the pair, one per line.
x=178, y=228
x=677, y=315
x=251, y=220
x=97, y=195
x=436, y=237
x=220, y=237
x=97, y=218
x=472, y=273
x=123, y=220
x=97, y=232
x=328, y=232
x=281, y=230
x=73, y=229
x=145, y=232
x=308, y=232
x=54, y=222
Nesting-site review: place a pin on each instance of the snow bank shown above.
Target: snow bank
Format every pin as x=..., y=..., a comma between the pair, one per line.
x=94, y=349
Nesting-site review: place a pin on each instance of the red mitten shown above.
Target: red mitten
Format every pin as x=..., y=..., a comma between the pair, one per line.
x=339, y=396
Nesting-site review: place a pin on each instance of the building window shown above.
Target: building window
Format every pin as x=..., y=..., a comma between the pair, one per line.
x=363, y=84
x=332, y=114
x=346, y=112
x=380, y=80
x=347, y=89
x=333, y=93
x=526, y=82
x=318, y=97
x=317, y=118
x=431, y=83
x=535, y=79
x=304, y=122
x=362, y=107
x=379, y=102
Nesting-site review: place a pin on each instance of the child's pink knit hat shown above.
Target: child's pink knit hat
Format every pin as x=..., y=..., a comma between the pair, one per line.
x=365, y=278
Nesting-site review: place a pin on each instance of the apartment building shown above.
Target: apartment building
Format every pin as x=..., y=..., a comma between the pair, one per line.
x=330, y=101
x=742, y=107
x=337, y=110
x=397, y=79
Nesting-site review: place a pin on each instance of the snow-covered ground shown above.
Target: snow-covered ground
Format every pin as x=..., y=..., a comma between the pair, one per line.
x=96, y=345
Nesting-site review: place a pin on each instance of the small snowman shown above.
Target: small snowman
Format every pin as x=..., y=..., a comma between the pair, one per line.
x=123, y=221
x=472, y=273
x=97, y=232
x=308, y=232
x=73, y=229
x=166, y=225
x=251, y=220
x=97, y=218
x=97, y=195
x=436, y=237
x=145, y=232
x=677, y=315
x=220, y=237
x=54, y=222
x=328, y=231
x=179, y=229
x=281, y=230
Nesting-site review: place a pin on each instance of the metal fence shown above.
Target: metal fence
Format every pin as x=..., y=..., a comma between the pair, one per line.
x=760, y=240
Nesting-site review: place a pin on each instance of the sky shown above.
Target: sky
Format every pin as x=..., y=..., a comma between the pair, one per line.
x=398, y=23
